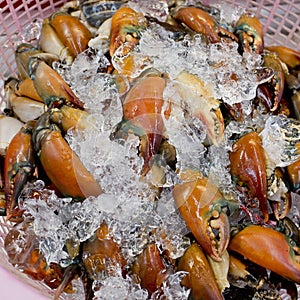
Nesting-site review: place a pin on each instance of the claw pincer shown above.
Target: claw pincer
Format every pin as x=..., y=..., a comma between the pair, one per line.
x=125, y=29
x=142, y=107
x=200, y=278
x=248, y=167
x=60, y=163
x=50, y=85
x=19, y=164
x=202, y=22
x=72, y=32
x=250, y=33
x=270, y=249
x=200, y=203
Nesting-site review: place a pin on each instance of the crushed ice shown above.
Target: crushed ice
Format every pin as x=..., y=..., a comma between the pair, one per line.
x=129, y=205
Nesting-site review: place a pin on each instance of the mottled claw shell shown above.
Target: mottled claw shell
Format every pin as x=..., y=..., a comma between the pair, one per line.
x=250, y=33
x=19, y=165
x=96, y=12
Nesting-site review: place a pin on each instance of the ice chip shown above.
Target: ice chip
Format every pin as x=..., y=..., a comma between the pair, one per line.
x=280, y=138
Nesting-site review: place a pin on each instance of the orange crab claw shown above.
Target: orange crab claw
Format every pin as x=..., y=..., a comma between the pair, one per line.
x=50, y=85
x=61, y=164
x=250, y=33
x=200, y=278
x=73, y=33
x=201, y=22
x=22, y=247
x=142, y=107
x=269, y=249
x=272, y=61
x=126, y=25
x=287, y=55
x=149, y=270
x=200, y=204
x=19, y=164
x=293, y=171
x=248, y=166
x=101, y=254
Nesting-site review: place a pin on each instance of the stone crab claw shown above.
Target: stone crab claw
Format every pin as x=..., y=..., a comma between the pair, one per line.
x=60, y=163
x=287, y=55
x=198, y=99
x=19, y=165
x=126, y=27
x=71, y=31
x=250, y=33
x=201, y=205
x=50, y=85
x=149, y=269
x=50, y=42
x=201, y=22
x=276, y=83
x=200, y=277
x=24, y=52
x=270, y=249
x=248, y=167
x=101, y=255
x=142, y=109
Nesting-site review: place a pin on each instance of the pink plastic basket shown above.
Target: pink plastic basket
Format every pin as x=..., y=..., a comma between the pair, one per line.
x=281, y=20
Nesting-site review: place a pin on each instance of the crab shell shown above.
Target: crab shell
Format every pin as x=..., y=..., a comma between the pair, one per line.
x=248, y=166
x=269, y=249
x=200, y=204
x=200, y=278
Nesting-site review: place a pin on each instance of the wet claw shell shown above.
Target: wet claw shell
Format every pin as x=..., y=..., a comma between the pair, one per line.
x=51, y=87
x=200, y=204
x=149, y=269
x=200, y=277
x=269, y=249
x=97, y=11
x=197, y=98
x=248, y=167
x=73, y=33
x=50, y=42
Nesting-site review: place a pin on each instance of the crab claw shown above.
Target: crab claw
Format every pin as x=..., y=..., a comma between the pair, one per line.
x=250, y=33
x=73, y=33
x=50, y=85
x=293, y=171
x=198, y=98
x=60, y=163
x=125, y=29
x=101, y=255
x=269, y=249
x=149, y=270
x=200, y=278
x=287, y=55
x=19, y=164
x=276, y=83
x=50, y=42
x=25, y=52
x=200, y=203
x=202, y=22
x=142, y=108
x=248, y=166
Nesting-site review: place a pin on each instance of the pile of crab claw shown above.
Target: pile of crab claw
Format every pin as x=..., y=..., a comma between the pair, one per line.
x=243, y=241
